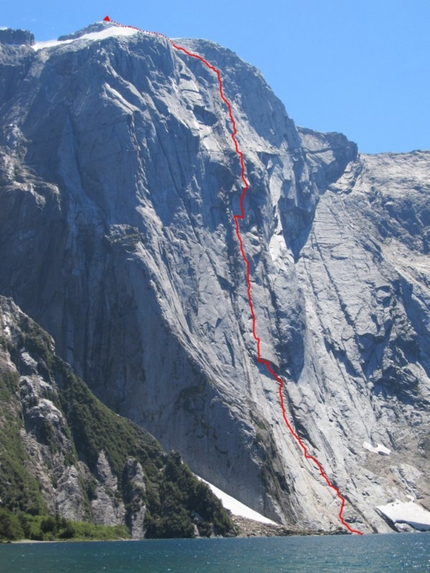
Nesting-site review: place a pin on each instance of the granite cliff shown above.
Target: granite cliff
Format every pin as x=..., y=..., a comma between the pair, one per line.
x=118, y=186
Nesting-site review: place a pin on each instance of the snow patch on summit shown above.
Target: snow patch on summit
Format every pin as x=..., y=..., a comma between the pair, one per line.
x=101, y=35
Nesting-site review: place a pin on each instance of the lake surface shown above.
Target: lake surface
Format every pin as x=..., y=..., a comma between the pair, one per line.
x=396, y=553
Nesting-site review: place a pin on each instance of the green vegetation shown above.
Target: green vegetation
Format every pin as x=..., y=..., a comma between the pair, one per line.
x=95, y=427
x=47, y=528
x=176, y=500
x=10, y=526
x=37, y=342
x=9, y=386
x=128, y=236
x=183, y=502
x=177, y=503
x=19, y=489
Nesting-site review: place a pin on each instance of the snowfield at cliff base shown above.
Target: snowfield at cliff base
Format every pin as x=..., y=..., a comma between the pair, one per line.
x=409, y=513
x=236, y=507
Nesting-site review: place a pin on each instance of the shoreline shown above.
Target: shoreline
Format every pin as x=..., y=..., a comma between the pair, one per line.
x=282, y=532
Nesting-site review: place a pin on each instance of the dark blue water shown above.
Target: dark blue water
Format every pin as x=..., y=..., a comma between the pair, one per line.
x=397, y=553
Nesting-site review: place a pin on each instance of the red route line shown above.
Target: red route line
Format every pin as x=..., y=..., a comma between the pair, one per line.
x=238, y=218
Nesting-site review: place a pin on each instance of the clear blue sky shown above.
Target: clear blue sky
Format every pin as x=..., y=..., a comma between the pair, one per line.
x=361, y=67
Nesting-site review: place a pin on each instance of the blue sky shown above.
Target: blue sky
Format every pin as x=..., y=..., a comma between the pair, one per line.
x=359, y=67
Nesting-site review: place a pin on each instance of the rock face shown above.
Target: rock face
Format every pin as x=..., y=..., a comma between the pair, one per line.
x=16, y=37
x=63, y=452
x=119, y=183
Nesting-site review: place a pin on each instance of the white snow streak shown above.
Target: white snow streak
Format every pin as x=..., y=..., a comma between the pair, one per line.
x=107, y=33
x=236, y=507
x=378, y=449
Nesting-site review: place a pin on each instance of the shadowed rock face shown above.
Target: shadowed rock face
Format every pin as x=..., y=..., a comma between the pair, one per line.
x=118, y=187
x=16, y=37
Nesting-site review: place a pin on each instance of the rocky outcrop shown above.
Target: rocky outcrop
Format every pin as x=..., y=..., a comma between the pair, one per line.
x=118, y=187
x=63, y=453
x=16, y=37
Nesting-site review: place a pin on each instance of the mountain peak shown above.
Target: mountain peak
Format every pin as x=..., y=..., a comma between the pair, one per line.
x=119, y=189
x=16, y=37
x=96, y=31
x=91, y=29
